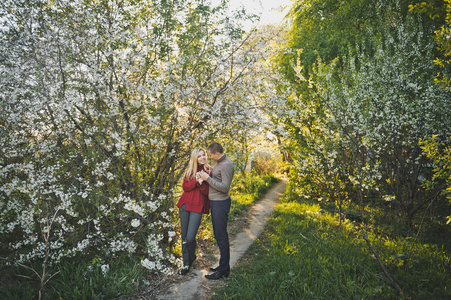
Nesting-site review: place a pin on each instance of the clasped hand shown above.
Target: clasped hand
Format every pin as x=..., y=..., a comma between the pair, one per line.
x=198, y=178
x=201, y=176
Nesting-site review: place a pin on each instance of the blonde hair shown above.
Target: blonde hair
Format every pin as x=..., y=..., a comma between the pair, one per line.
x=191, y=170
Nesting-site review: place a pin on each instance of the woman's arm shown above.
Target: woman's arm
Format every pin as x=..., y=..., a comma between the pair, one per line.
x=189, y=185
x=204, y=188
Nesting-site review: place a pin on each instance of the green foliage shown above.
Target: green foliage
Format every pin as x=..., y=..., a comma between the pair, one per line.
x=302, y=254
x=440, y=12
x=324, y=29
x=444, y=43
x=440, y=155
x=80, y=278
x=327, y=28
x=265, y=163
x=434, y=8
x=247, y=189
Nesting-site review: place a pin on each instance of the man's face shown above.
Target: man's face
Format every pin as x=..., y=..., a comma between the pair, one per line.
x=214, y=156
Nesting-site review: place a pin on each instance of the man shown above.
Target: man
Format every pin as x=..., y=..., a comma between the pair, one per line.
x=220, y=180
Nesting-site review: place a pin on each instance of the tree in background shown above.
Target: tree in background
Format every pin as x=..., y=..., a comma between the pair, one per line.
x=382, y=106
x=383, y=75
x=260, y=94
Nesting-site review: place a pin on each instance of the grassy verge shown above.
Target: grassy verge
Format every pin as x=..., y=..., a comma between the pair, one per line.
x=246, y=190
x=302, y=254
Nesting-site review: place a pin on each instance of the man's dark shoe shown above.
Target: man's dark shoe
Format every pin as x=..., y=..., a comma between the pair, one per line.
x=217, y=275
x=184, y=270
x=214, y=269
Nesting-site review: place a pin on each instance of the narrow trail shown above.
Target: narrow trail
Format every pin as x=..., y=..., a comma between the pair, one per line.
x=196, y=286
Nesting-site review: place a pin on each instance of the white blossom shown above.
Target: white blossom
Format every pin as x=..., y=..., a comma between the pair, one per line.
x=135, y=223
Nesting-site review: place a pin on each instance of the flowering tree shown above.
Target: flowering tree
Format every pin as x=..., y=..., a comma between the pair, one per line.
x=101, y=102
x=383, y=105
x=355, y=122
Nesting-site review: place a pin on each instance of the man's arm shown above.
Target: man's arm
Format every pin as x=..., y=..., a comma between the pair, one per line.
x=226, y=177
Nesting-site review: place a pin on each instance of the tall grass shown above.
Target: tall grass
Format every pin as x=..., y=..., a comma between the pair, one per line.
x=302, y=254
x=246, y=190
x=79, y=278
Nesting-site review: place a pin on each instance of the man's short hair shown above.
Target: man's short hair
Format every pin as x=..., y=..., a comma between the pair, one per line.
x=215, y=148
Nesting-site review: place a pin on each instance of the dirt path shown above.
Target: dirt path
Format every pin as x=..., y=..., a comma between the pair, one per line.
x=194, y=286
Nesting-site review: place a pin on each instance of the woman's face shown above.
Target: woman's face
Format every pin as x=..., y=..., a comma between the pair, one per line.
x=201, y=158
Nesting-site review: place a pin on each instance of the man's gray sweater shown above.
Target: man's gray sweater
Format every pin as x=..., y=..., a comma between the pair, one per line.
x=220, y=179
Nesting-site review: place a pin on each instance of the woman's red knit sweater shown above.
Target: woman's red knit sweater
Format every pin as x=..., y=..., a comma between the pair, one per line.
x=195, y=196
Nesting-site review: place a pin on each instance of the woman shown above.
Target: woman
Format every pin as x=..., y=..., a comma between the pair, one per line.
x=192, y=203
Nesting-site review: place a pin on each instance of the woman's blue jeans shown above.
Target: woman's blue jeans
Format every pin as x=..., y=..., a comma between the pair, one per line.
x=189, y=223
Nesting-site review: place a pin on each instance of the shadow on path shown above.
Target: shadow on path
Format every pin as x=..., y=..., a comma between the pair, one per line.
x=196, y=286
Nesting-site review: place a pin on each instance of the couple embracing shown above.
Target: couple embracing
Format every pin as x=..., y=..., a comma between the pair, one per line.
x=204, y=189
